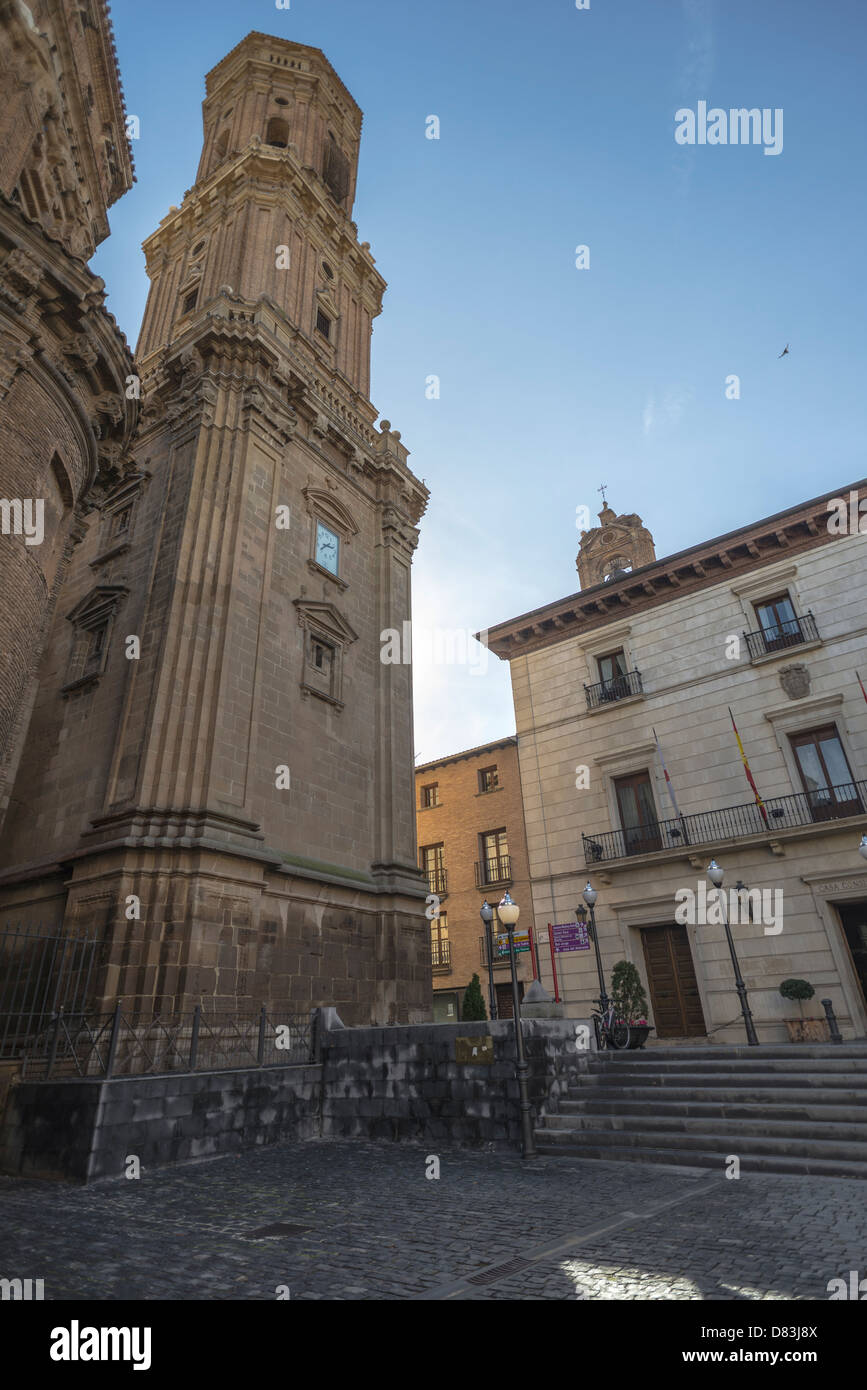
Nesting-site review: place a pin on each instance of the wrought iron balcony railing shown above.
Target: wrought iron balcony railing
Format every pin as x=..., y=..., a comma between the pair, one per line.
x=438, y=881
x=618, y=688
x=493, y=871
x=780, y=636
x=732, y=823
x=440, y=955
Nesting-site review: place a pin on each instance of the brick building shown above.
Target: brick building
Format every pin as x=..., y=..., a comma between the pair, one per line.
x=472, y=848
x=217, y=775
x=765, y=625
x=66, y=414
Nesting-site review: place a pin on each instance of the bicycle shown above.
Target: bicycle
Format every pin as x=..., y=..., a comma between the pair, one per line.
x=611, y=1032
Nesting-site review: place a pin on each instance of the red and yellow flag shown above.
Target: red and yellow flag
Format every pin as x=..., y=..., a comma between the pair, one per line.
x=759, y=802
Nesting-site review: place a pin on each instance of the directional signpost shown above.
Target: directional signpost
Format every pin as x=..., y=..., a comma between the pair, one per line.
x=567, y=936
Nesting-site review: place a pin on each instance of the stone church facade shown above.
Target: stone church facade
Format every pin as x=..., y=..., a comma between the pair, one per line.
x=218, y=770
x=65, y=418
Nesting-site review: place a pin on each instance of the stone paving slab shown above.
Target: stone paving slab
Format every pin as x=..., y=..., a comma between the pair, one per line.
x=378, y=1228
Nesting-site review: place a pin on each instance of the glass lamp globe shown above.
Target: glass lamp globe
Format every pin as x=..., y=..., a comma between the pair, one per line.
x=509, y=911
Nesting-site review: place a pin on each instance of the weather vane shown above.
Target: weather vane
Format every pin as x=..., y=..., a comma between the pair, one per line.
x=602, y=490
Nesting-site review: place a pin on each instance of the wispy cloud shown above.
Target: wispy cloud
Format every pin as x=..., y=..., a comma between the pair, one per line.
x=694, y=78
x=671, y=409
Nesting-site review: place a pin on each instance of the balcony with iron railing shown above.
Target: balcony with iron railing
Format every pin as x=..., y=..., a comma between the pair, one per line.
x=494, y=872
x=438, y=881
x=731, y=823
x=779, y=637
x=440, y=957
x=618, y=688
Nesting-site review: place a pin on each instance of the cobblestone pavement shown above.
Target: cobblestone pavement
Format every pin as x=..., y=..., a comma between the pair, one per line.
x=365, y=1223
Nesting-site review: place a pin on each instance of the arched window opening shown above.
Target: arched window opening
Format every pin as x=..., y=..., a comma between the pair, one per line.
x=277, y=133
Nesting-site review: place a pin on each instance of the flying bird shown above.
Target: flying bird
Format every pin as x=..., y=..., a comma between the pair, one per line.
x=783, y=353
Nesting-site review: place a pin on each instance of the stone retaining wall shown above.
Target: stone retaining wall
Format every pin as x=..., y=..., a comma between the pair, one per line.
x=372, y=1083
x=405, y=1083
x=86, y=1129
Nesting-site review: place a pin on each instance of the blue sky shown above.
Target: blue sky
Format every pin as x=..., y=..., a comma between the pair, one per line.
x=557, y=130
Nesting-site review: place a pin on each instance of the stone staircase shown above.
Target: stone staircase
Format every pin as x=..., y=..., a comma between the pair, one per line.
x=790, y=1108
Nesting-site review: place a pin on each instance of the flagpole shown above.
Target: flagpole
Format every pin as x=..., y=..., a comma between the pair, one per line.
x=759, y=802
x=670, y=787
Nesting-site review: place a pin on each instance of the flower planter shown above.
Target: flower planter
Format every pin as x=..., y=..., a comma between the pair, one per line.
x=808, y=1029
x=638, y=1035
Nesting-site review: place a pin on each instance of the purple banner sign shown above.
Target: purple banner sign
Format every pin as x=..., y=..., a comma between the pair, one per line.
x=571, y=936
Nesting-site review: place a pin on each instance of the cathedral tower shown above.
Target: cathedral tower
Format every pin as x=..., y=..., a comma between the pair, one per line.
x=236, y=758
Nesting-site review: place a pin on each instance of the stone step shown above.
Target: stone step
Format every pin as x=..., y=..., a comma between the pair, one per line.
x=696, y=1080
x=684, y=1142
x=746, y=1092
x=816, y=1110
x=808, y=1066
x=698, y=1158
x=658, y=1053
x=734, y=1130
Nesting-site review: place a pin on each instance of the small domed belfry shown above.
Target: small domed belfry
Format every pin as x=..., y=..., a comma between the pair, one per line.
x=613, y=548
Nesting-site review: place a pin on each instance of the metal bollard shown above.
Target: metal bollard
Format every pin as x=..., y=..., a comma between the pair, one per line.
x=836, y=1035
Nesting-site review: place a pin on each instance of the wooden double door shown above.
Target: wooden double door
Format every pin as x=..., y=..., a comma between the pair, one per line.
x=674, y=992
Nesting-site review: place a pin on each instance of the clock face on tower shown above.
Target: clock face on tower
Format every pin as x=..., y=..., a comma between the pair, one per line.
x=327, y=548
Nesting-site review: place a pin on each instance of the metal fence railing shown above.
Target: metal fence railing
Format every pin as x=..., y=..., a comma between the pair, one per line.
x=777, y=637
x=617, y=688
x=127, y=1044
x=41, y=972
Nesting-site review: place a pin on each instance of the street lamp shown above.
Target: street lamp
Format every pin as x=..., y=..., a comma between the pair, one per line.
x=715, y=874
x=486, y=913
x=590, y=895
x=862, y=848
x=509, y=912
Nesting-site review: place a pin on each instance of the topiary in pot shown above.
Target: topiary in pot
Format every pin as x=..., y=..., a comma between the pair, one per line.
x=803, y=1029
x=628, y=993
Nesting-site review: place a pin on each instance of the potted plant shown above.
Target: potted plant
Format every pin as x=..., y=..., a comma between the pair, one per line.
x=803, y=1029
x=473, y=1007
x=630, y=1001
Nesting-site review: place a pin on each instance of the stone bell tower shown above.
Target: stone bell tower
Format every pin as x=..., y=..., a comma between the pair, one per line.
x=616, y=545
x=249, y=755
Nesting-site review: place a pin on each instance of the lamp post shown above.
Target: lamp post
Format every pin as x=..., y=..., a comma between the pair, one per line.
x=716, y=875
x=509, y=912
x=487, y=915
x=590, y=895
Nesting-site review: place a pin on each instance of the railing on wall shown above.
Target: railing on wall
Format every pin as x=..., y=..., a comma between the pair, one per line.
x=128, y=1044
x=41, y=972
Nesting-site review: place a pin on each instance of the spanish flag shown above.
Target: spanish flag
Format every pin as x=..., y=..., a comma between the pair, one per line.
x=759, y=802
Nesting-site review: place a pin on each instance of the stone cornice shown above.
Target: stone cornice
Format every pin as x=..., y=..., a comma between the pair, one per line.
x=785, y=535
